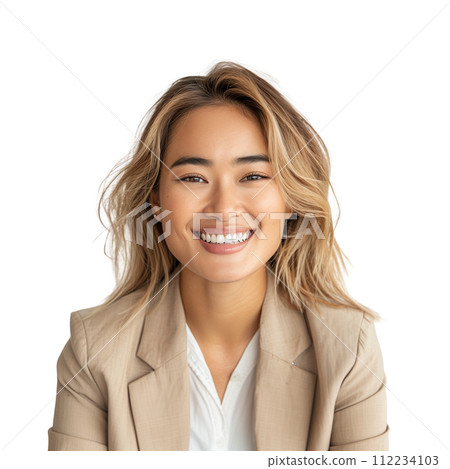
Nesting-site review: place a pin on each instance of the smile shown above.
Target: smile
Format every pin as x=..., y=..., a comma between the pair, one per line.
x=224, y=243
x=230, y=238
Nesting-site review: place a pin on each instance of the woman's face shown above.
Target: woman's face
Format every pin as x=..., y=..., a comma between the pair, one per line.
x=219, y=196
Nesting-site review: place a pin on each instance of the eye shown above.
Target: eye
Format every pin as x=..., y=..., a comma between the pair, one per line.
x=260, y=176
x=191, y=177
x=185, y=178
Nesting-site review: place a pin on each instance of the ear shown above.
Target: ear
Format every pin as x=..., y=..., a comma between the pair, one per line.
x=154, y=202
x=154, y=197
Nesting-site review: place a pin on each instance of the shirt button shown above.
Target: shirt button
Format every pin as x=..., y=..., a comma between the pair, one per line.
x=236, y=377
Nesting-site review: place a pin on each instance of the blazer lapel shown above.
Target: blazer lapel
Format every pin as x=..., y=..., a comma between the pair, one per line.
x=284, y=387
x=285, y=377
x=160, y=400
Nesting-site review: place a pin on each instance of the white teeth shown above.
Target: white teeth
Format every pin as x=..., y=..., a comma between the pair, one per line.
x=230, y=238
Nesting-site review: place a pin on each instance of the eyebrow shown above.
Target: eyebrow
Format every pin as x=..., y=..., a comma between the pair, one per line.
x=199, y=161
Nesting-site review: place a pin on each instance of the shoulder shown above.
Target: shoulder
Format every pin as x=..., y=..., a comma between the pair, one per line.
x=96, y=328
x=331, y=326
x=340, y=336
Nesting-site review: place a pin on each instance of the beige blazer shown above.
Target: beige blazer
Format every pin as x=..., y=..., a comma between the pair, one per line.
x=318, y=381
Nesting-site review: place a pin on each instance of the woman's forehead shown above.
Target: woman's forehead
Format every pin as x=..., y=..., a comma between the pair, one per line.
x=216, y=133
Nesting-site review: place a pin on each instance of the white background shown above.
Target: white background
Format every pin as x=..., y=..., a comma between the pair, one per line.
x=371, y=77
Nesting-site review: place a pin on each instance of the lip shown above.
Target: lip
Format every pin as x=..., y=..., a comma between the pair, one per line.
x=226, y=248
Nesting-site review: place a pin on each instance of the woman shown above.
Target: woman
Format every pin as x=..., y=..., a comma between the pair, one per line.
x=230, y=327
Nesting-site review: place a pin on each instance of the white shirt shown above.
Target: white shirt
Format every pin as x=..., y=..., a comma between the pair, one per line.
x=226, y=426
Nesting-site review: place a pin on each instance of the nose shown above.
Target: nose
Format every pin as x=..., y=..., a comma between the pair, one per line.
x=223, y=198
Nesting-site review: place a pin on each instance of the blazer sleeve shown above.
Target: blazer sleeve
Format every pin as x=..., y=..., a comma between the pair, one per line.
x=360, y=417
x=80, y=417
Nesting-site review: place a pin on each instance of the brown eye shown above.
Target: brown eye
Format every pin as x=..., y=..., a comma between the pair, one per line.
x=259, y=176
x=189, y=178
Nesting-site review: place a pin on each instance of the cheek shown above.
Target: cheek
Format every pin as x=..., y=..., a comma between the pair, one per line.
x=275, y=209
x=181, y=213
x=271, y=201
x=273, y=231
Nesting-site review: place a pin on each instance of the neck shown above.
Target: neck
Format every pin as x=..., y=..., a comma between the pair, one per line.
x=223, y=314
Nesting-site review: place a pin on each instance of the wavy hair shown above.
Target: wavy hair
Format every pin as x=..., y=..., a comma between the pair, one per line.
x=308, y=269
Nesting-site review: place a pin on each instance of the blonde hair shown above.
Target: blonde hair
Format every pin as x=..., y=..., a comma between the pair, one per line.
x=307, y=270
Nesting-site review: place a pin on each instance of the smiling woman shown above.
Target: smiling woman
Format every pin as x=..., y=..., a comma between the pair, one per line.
x=230, y=326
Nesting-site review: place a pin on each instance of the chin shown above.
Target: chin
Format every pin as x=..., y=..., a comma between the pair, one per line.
x=226, y=274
